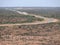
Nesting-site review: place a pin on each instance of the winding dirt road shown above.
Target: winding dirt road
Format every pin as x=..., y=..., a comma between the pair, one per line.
x=46, y=20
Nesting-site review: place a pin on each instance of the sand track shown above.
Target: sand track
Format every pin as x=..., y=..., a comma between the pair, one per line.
x=46, y=20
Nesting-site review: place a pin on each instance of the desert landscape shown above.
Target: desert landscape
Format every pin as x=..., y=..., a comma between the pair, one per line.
x=29, y=26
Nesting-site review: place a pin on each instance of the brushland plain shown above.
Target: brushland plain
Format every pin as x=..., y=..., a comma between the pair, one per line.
x=29, y=26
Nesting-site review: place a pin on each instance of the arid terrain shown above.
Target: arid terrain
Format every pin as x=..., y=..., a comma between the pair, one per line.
x=21, y=26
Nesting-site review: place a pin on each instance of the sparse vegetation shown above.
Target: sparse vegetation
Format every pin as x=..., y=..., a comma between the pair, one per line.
x=9, y=17
x=44, y=11
x=38, y=34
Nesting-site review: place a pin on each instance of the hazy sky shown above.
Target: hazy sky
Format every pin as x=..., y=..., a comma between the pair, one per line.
x=29, y=3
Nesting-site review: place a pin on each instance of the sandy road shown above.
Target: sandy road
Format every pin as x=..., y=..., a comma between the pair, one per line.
x=46, y=20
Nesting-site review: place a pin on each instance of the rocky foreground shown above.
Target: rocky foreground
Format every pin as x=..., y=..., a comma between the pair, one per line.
x=41, y=34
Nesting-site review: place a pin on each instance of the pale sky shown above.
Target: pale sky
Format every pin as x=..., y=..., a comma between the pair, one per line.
x=29, y=3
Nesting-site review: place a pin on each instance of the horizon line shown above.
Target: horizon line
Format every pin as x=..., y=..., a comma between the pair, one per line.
x=28, y=6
